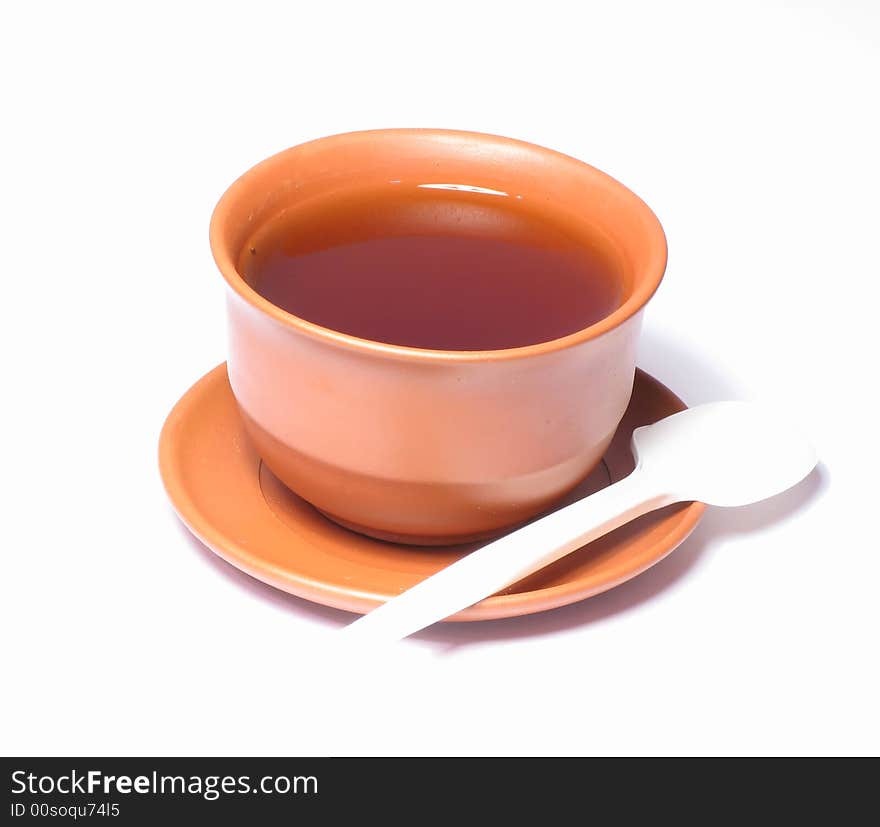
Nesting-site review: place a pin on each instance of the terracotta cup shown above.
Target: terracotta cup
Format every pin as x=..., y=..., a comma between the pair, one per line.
x=429, y=446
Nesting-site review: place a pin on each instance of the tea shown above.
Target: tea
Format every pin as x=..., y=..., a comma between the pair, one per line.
x=434, y=266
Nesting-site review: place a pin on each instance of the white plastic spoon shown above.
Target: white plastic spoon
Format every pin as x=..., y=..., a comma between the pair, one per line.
x=723, y=453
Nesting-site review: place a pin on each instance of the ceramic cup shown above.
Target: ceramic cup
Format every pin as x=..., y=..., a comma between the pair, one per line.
x=430, y=446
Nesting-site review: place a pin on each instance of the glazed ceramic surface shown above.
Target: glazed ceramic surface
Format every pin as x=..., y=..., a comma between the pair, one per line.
x=421, y=445
x=232, y=502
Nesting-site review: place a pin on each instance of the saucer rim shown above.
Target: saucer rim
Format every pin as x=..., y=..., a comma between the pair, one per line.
x=358, y=601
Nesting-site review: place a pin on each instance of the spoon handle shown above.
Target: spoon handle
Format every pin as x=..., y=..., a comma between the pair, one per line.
x=510, y=558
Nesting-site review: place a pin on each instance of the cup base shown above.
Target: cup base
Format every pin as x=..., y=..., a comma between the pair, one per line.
x=411, y=539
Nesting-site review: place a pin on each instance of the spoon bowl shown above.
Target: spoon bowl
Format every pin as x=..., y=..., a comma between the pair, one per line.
x=723, y=453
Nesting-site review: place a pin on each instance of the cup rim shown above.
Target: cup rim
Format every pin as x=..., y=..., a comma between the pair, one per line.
x=644, y=288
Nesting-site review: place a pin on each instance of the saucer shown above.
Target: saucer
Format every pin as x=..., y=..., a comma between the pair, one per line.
x=232, y=503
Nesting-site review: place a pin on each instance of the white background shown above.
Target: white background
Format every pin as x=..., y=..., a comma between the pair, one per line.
x=751, y=129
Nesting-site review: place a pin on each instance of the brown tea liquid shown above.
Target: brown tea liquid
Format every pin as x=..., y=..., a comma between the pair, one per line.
x=430, y=267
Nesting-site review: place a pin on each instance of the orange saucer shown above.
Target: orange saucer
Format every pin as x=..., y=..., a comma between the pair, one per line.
x=236, y=507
